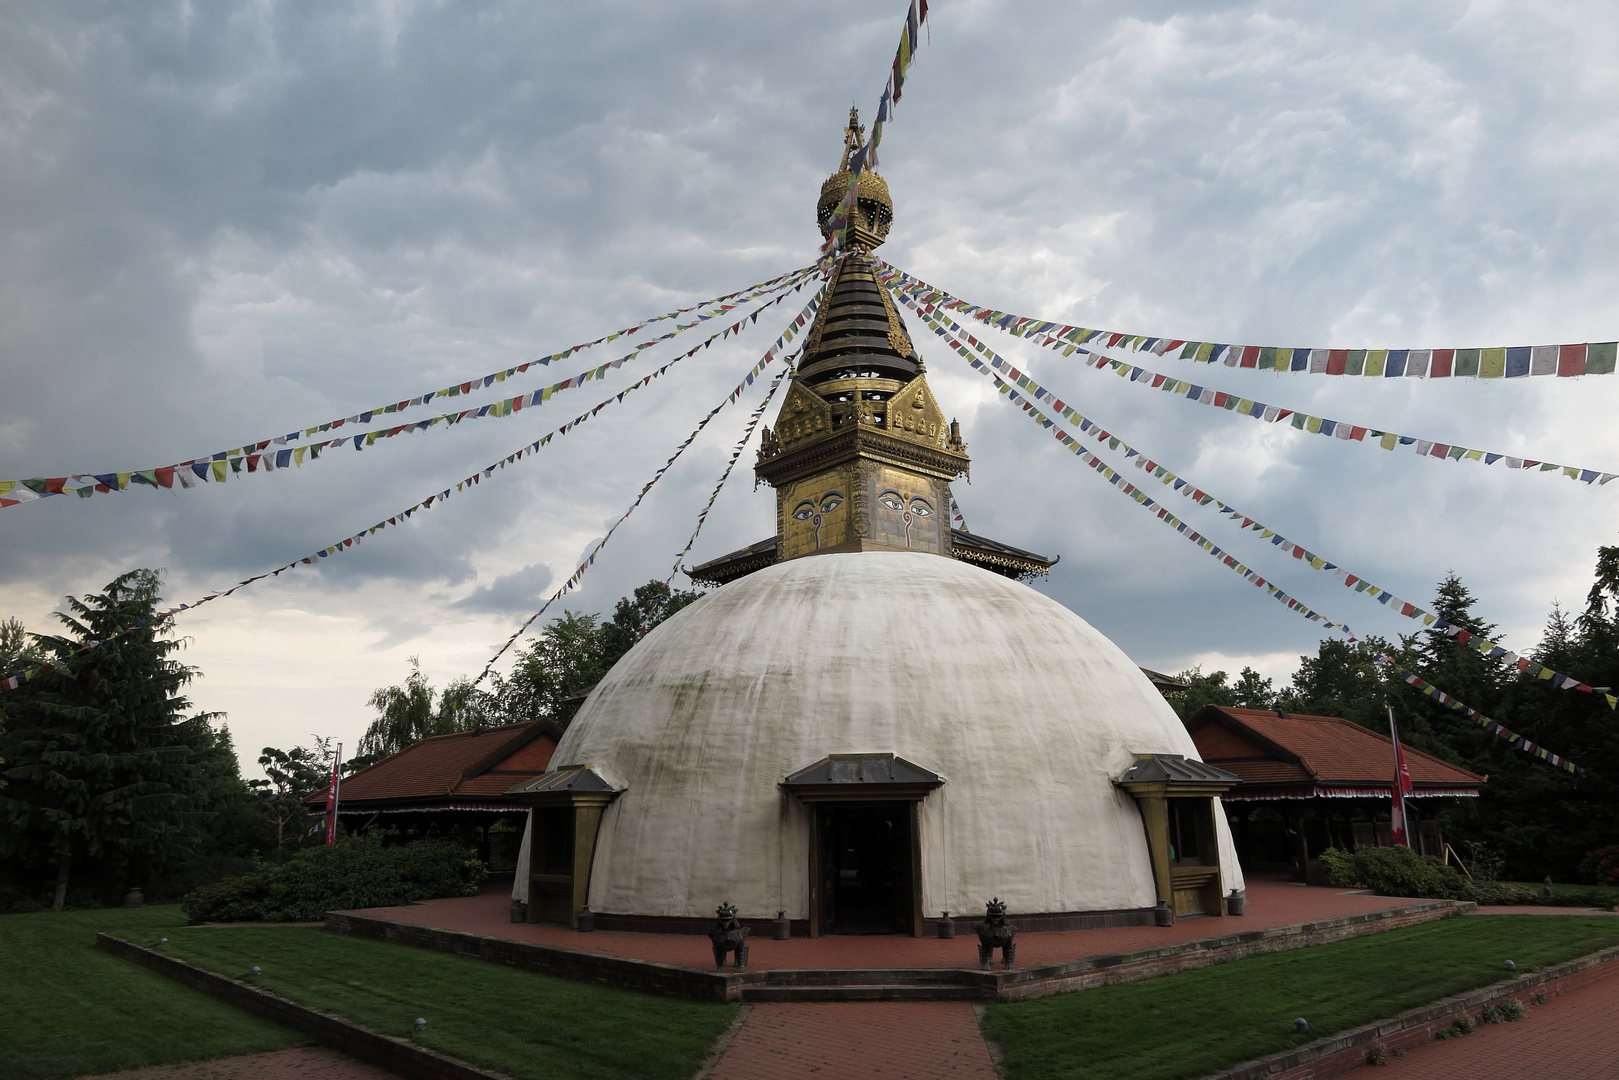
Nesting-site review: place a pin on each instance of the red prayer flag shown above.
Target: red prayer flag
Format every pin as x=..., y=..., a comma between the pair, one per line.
x=1402, y=786
x=331, y=798
x=1571, y=360
x=1336, y=359
x=1439, y=365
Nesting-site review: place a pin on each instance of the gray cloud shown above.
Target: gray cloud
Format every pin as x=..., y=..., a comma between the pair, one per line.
x=522, y=590
x=223, y=222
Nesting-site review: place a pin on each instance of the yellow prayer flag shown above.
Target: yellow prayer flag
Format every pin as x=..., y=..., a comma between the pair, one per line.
x=1389, y=440
x=1317, y=562
x=220, y=472
x=1312, y=424
x=123, y=481
x=1476, y=455
x=1375, y=360
x=298, y=453
x=1492, y=363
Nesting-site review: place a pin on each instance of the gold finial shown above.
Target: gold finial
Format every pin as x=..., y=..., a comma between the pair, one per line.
x=875, y=211
x=854, y=137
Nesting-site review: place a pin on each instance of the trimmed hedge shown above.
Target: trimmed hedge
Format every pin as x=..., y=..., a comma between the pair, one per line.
x=358, y=872
x=1399, y=871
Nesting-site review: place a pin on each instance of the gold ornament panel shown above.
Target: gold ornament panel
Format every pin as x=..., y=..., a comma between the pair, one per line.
x=914, y=414
x=815, y=514
x=906, y=511
x=804, y=414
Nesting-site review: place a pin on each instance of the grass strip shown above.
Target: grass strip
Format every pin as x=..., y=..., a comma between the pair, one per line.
x=1597, y=896
x=516, y=1022
x=70, y=1009
x=1198, y=1022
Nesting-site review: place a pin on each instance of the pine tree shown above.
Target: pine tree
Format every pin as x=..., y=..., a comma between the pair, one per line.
x=99, y=756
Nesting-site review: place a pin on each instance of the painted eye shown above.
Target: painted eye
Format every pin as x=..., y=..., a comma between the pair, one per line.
x=891, y=502
x=804, y=511
x=831, y=503
x=920, y=508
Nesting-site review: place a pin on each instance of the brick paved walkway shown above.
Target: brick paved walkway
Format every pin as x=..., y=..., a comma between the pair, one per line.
x=1574, y=1036
x=299, y=1063
x=1270, y=903
x=894, y=1040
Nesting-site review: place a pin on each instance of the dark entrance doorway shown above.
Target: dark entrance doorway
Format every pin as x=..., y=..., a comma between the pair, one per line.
x=866, y=855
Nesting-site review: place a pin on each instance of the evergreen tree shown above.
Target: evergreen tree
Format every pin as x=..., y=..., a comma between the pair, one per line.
x=100, y=760
x=1340, y=680
x=635, y=616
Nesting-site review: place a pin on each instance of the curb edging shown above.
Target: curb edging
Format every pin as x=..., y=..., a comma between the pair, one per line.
x=399, y=1056
x=1415, y=1027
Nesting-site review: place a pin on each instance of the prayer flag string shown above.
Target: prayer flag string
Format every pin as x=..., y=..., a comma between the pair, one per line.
x=736, y=452
x=1405, y=608
x=932, y=299
x=12, y=682
x=1564, y=361
x=272, y=454
x=1162, y=513
x=770, y=356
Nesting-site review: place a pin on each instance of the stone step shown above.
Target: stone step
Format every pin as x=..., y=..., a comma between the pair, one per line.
x=863, y=992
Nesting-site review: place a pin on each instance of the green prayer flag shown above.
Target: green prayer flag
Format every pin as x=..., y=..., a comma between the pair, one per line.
x=1355, y=362
x=1599, y=357
x=1467, y=363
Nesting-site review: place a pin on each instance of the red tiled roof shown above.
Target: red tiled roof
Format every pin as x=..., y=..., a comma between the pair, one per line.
x=1266, y=748
x=468, y=766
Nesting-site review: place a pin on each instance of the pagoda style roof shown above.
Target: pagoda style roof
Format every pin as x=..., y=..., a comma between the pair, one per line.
x=467, y=770
x=1281, y=755
x=980, y=551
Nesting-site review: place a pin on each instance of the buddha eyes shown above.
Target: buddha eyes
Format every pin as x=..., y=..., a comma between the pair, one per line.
x=920, y=508
x=806, y=509
x=890, y=499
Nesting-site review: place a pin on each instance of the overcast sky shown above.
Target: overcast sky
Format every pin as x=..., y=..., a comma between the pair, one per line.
x=220, y=222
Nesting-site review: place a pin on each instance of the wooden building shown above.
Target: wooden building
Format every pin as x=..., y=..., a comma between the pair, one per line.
x=452, y=785
x=1313, y=782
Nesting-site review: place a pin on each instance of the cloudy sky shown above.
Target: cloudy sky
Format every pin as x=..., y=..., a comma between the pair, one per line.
x=220, y=222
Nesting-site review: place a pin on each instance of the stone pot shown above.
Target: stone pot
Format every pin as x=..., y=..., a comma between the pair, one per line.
x=781, y=927
x=947, y=926
x=519, y=911
x=1236, y=902
x=1162, y=915
x=587, y=921
x=134, y=897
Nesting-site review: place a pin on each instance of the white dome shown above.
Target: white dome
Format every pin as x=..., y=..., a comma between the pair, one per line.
x=1025, y=711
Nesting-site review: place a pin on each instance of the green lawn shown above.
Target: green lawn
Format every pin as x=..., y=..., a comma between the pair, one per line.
x=516, y=1022
x=1197, y=1022
x=68, y=1009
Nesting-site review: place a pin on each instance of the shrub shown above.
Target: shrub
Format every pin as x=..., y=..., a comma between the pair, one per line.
x=1601, y=867
x=1463, y=1024
x=1340, y=867
x=1399, y=871
x=1512, y=1010
x=1501, y=893
x=354, y=873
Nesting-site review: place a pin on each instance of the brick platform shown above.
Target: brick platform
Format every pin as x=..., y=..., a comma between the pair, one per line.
x=1271, y=904
x=825, y=970
x=893, y=1040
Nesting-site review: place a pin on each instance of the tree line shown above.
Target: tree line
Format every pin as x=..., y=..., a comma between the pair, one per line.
x=110, y=779
x=1539, y=819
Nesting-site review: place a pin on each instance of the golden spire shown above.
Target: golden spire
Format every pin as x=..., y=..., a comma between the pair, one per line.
x=875, y=210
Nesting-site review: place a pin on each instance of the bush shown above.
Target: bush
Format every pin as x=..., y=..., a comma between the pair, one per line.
x=354, y=873
x=1501, y=894
x=1601, y=867
x=1340, y=867
x=1399, y=871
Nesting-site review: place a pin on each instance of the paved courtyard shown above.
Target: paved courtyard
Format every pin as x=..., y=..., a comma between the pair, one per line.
x=1270, y=904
